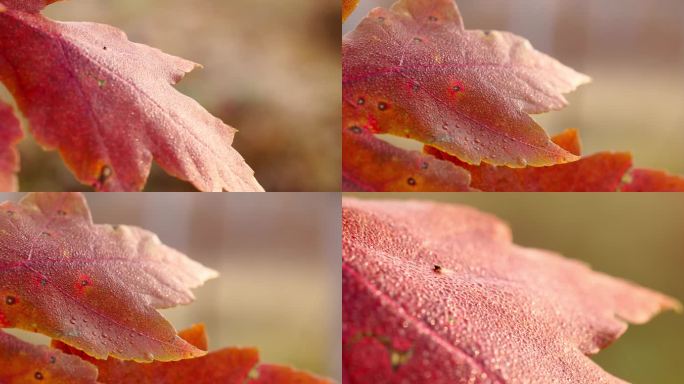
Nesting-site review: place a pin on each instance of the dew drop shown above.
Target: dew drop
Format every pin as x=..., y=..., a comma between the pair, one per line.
x=10, y=300
x=417, y=39
x=424, y=165
x=381, y=18
x=411, y=181
x=72, y=320
x=38, y=375
x=356, y=129
x=382, y=106
x=53, y=359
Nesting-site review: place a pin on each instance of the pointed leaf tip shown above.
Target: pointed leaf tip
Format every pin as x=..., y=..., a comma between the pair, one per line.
x=107, y=281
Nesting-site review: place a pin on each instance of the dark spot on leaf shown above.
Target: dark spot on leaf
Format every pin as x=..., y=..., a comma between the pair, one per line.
x=487, y=33
x=10, y=213
x=399, y=358
x=381, y=18
x=105, y=173
x=356, y=129
x=46, y=234
x=61, y=212
x=10, y=300
x=432, y=18
x=411, y=181
x=424, y=165
x=437, y=268
x=43, y=282
x=382, y=106
x=105, y=48
x=38, y=375
x=53, y=359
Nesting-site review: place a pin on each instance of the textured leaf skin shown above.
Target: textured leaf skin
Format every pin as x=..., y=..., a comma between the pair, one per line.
x=601, y=172
x=415, y=71
x=372, y=165
x=348, y=7
x=493, y=312
x=276, y=374
x=109, y=107
x=229, y=366
x=647, y=180
x=226, y=366
x=95, y=287
x=27, y=363
x=10, y=135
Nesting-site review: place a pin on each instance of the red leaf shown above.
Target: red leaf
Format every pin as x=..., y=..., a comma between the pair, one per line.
x=26, y=363
x=226, y=366
x=10, y=135
x=439, y=293
x=602, y=172
x=372, y=165
x=415, y=71
x=109, y=107
x=348, y=7
x=92, y=286
x=647, y=180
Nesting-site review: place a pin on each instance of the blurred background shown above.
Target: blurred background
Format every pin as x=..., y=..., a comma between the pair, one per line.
x=271, y=70
x=634, y=236
x=278, y=255
x=633, y=50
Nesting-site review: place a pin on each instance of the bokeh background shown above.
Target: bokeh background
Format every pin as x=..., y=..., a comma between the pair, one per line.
x=634, y=236
x=278, y=255
x=633, y=50
x=271, y=70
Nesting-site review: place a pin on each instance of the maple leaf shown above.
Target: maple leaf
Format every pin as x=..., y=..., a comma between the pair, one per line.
x=415, y=71
x=348, y=7
x=23, y=362
x=109, y=107
x=648, y=180
x=601, y=172
x=373, y=165
x=228, y=366
x=439, y=293
x=93, y=286
x=10, y=134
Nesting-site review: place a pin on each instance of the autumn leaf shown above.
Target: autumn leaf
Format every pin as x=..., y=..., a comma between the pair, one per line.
x=10, y=134
x=415, y=71
x=439, y=293
x=93, y=286
x=109, y=107
x=648, y=180
x=228, y=366
x=348, y=7
x=601, y=172
x=27, y=363
x=373, y=165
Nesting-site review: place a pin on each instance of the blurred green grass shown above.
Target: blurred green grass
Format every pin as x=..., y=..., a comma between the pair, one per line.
x=638, y=237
